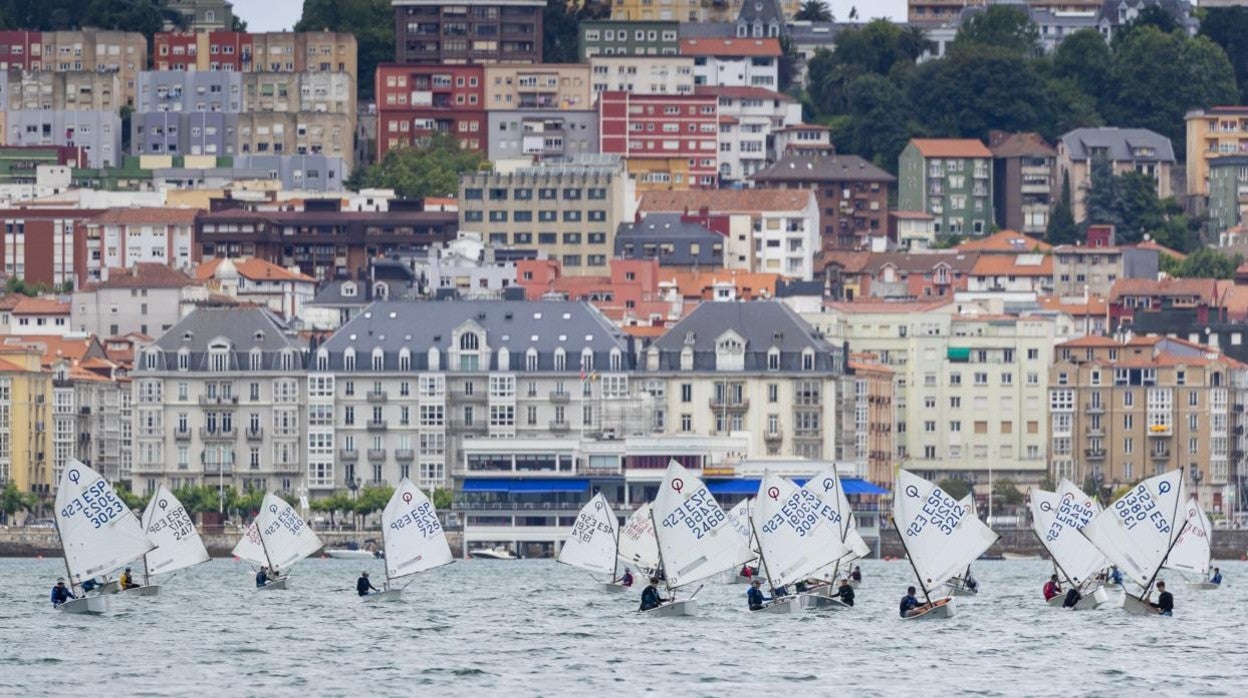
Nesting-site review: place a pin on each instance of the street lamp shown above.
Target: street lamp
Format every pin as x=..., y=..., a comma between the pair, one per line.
x=1197, y=476
x=353, y=485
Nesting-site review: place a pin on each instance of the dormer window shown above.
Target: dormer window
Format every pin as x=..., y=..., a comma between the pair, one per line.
x=773, y=359
x=561, y=359
x=587, y=360
x=530, y=359
x=378, y=359
x=218, y=357
x=349, y=289
x=617, y=360
x=322, y=359
x=405, y=359
x=255, y=360
x=288, y=360
x=504, y=359
x=348, y=360
x=381, y=291
x=808, y=360
x=184, y=360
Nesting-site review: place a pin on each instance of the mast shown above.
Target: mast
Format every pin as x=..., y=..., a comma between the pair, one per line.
x=615, y=562
x=659, y=547
x=1056, y=566
x=385, y=567
x=1173, y=541
x=57, y=522
x=910, y=560
x=762, y=559
x=265, y=548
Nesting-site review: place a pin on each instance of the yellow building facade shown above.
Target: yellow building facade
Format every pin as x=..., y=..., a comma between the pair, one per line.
x=25, y=421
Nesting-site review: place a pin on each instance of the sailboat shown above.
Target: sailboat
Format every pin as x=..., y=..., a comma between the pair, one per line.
x=178, y=545
x=739, y=517
x=1138, y=531
x=594, y=542
x=835, y=509
x=412, y=537
x=794, y=541
x=962, y=584
x=1191, y=552
x=1057, y=518
x=696, y=541
x=637, y=545
x=277, y=539
x=99, y=534
x=940, y=536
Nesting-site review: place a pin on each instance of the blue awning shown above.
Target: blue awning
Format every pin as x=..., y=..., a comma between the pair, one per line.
x=533, y=485
x=749, y=486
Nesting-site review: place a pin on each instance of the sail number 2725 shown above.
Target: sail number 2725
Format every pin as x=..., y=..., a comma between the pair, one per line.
x=98, y=503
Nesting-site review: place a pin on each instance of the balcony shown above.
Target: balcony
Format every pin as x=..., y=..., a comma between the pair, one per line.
x=256, y=434
x=84, y=410
x=377, y=396
x=348, y=454
x=206, y=434
x=559, y=427
x=1160, y=430
x=218, y=469
x=474, y=396
x=374, y=425
x=1094, y=408
x=218, y=400
x=1094, y=453
x=376, y=454
x=560, y=397
x=1160, y=455
x=182, y=434
x=1095, y=431
x=719, y=404
x=773, y=436
x=404, y=455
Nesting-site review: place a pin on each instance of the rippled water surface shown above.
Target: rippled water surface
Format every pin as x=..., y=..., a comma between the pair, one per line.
x=539, y=628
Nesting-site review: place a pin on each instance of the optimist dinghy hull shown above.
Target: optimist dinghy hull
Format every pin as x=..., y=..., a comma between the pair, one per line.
x=684, y=607
x=382, y=596
x=613, y=588
x=822, y=602
x=1203, y=586
x=1135, y=607
x=94, y=605
x=941, y=608
x=145, y=590
x=279, y=584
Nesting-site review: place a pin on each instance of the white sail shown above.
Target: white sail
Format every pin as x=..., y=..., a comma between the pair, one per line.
x=1191, y=551
x=941, y=536
x=739, y=519
x=591, y=545
x=695, y=539
x=835, y=509
x=413, y=535
x=638, y=546
x=286, y=537
x=796, y=533
x=168, y=525
x=1057, y=518
x=250, y=548
x=98, y=531
x=1136, y=531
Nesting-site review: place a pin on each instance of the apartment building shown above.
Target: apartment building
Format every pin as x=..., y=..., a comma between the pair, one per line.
x=189, y=91
x=202, y=15
x=1024, y=181
x=1129, y=297
x=666, y=75
x=873, y=417
x=1227, y=192
x=1123, y=411
x=414, y=101
x=673, y=240
x=25, y=412
x=935, y=13
x=21, y=49
x=1213, y=134
x=218, y=400
x=323, y=242
x=734, y=62
x=539, y=134
x=243, y=52
x=99, y=50
x=252, y=280
x=302, y=133
x=545, y=86
x=145, y=297
x=675, y=11
x=124, y=237
x=852, y=195
x=950, y=179
x=667, y=141
x=84, y=90
x=1126, y=149
x=476, y=31
x=288, y=93
x=40, y=245
x=1079, y=269
x=97, y=132
x=770, y=231
x=749, y=119
x=649, y=38
x=569, y=211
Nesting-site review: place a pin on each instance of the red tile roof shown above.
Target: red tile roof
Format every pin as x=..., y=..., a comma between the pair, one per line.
x=143, y=275
x=1010, y=241
x=41, y=306
x=252, y=268
x=1009, y=265
x=725, y=200
x=951, y=148
x=741, y=92
x=1205, y=289
x=730, y=47
x=146, y=216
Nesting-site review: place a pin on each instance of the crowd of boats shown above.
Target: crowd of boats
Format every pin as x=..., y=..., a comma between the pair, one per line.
x=799, y=537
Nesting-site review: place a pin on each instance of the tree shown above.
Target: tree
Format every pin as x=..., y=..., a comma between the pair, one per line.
x=1153, y=16
x=958, y=489
x=1006, y=491
x=372, y=499
x=1204, y=263
x=786, y=68
x=238, y=24
x=1062, y=229
x=1084, y=59
x=1005, y=27
x=813, y=11
x=13, y=500
x=432, y=169
x=912, y=42
x=1047, y=483
x=976, y=90
x=878, y=113
x=15, y=284
x=1228, y=27
x=248, y=503
x=561, y=28
x=442, y=499
x=133, y=502
x=372, y=23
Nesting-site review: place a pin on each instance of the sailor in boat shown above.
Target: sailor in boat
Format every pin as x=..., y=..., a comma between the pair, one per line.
x=91, y=585
x=362, y=585
x=1165, y=601
x=262, y=577
x=970, y=582
x=626, y=580
x=1115, y=576
x=754, y=597
x=845, y=593
x=746, y=571
x=1052, y=588
x=61, y=593
x=650, y=595
x=856, y=575
x=126, y=581
x=1217, y=577
x=1072, y=598
x=909, y=603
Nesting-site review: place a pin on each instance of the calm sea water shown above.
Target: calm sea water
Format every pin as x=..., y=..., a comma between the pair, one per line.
x=538, y=628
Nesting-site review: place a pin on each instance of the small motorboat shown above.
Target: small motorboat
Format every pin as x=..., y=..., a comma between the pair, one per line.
x=493, y=554
x=1019, y=556
x=351, y=554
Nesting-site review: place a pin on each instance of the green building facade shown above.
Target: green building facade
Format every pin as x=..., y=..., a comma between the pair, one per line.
x=1228, y=184
x=950, y=179
x=629, y=38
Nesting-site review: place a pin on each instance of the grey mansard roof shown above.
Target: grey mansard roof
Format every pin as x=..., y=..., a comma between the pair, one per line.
x=1119, y=142
x=517, y=326
x=243, y=329
x=762, y=325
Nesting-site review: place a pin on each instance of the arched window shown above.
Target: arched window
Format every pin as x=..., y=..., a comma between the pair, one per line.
x=561, y=359
x=808, y=359
x=773, y=359
x=435, y=359
x=587, y=359
x=184, y=360
x=379, y=359
x=405, y=359
x=381, y=291
x=348, y=359
x=153, y=357
x=288, y=360
x=504, y=359
x=617, y=359
x=469, y=341
x=530, y=359
x=255, y=360
x=322, y=359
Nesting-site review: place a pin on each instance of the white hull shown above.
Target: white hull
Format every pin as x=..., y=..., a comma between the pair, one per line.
x=147, y=590
x=1204, y=586
x=789, y=604
x=822, y=602
x=90, y=604
x=1056, y=601
x=1019, y=556
x=612, y=587
x=276, y=584
x=110, y=587
x=854, y=583
x=941, y=608
x=1093, y=600
x=351, y=554
x=684, y=607
x=738, y=579
x=957, y=588
x=1135, y=607
x=491, y=555
x=387, y=595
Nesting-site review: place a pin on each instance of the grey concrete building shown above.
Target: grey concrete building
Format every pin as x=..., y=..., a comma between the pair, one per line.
x=674, y=242
x=77, y=90
x=96, y=132
x=201, y=15
x=145, y=299
x=295, y=92
x=1228, y=192
x=189, y=91
x=218, y=401
x=542, y=134
x=183, y=133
